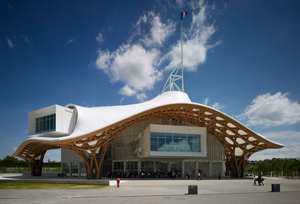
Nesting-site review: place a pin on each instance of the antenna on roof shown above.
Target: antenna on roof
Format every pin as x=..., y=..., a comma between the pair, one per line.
x=170, y=84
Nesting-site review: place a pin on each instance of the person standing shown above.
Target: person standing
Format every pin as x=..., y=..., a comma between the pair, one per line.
x=199, y=176
x=118, y=182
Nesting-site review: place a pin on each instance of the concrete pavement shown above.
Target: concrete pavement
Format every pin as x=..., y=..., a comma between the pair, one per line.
x=165, y=191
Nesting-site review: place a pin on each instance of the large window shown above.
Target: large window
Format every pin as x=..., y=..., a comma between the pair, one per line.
x=82, y=169
x=66, y=169
x=74, y=169
x=45, y=123
x=119, y=166
x=132, y=166
x=175, y=142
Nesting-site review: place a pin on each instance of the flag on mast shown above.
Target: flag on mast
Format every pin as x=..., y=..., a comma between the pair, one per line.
x=183, y=14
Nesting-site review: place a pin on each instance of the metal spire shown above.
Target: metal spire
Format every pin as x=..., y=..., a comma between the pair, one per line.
x=170, y=84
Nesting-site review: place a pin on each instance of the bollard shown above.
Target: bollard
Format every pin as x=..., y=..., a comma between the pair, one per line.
x=275, y=187
x=193, y=189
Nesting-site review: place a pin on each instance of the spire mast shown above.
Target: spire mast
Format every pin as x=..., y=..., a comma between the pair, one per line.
x=170, y=84
x=182, y=86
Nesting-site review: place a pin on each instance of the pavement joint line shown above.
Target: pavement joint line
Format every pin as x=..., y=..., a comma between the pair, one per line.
x=175, y=195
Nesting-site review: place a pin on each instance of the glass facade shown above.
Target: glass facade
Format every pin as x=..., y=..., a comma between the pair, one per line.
x=119, y=166
x=82, y=169
x=175, y=142
x=66, y=169
x=176, y=167
x=147, y=166
x=74, y=169
x=161, y=166
x=132, y=166
x=45, y=123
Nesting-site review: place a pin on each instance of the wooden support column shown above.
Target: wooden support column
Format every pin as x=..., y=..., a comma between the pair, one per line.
x=36, y=166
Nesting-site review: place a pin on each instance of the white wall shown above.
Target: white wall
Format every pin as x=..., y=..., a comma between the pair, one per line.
x=69, y=156
x=65, y=121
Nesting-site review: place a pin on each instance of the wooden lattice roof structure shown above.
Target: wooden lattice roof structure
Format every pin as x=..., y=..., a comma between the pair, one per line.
x=97, y=127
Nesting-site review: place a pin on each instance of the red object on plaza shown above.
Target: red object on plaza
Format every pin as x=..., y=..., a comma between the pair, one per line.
x=118, y=182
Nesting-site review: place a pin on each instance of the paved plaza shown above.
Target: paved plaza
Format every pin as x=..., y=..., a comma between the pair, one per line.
x=165, y=191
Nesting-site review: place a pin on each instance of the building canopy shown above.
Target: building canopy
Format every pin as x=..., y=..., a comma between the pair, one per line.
x=97, y=127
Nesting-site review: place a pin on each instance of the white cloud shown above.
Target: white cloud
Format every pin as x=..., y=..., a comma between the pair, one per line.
x=14, y=149
x=284, y=134
x=10, y=44
x=132, y=65
x=137, y=63
x=99, y=38
x=180, y=3
x=71, y=40
x=85, y=104
x=272, y=110
x=141, y=97
x=159, y=31
x=127, y=91
x=27, y=40
x=291, y=149
x=206, y=101
x=216, y=105
x=196, y=40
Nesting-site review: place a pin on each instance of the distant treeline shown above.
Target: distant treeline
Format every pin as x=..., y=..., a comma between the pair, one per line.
x=10, y=161
x=275, y=165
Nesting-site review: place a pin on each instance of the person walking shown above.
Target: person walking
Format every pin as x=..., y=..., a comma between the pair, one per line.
x=118, y=182
x=254, y=179
x=262, y=179
x=199, y=176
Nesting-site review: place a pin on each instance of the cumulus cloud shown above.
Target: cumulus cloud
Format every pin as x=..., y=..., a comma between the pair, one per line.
x=272, y=110
x=14, y=149
x=180, y=3
x=159, y=31
x=141, y=97
x=284, y=134
x=71, y=40
x=27, y=40
x=291, y=149
x=196, y=40
x=133, y=65
x=127, y=91
x=216, y=105
x=139, y=62
x=10, y=44
x=99, y=38
x=205, y=101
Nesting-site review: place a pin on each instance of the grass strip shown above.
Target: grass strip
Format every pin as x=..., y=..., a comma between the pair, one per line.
x=48, y=186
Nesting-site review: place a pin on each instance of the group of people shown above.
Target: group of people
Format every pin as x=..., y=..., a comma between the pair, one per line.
x=259, y=180
x=143, y=175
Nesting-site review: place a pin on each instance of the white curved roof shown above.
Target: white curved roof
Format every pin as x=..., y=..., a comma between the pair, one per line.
x=92, y=119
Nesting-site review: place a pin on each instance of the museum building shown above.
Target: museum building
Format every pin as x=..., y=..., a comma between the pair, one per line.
x=166, y=134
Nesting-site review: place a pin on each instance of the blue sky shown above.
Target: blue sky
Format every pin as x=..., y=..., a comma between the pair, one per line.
x=241, y=57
